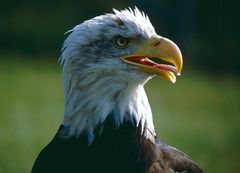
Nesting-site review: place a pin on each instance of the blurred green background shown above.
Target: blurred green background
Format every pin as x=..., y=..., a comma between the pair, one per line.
x=199, y=114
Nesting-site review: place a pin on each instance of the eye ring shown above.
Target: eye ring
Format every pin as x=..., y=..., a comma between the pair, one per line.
x=120, y=41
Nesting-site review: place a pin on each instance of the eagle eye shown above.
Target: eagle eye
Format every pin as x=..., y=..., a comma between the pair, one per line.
x=120, y=41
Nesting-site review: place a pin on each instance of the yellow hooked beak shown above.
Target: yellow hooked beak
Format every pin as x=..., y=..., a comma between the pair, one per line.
x=161, y=49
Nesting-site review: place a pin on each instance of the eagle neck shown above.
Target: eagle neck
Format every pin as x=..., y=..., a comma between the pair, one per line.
x=91, y=99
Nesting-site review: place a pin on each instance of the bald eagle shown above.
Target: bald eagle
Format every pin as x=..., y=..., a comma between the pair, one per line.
x=108, y=125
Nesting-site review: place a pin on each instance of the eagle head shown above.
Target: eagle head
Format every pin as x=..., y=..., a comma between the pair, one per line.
x=106, y=61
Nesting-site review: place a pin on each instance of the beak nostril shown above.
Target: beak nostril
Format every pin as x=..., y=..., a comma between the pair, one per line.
x=156, y=43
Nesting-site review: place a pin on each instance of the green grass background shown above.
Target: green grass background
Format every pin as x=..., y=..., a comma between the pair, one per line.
x=199, y=114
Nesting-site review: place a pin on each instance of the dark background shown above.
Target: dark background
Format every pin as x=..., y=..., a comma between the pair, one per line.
x=206, y=31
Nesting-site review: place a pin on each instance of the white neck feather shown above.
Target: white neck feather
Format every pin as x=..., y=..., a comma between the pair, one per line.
x=92, y=97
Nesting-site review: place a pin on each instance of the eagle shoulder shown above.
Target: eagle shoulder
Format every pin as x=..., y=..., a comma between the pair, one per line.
x=163, y=158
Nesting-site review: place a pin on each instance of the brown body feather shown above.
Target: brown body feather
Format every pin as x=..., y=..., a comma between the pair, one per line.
x=128, y=148
x=163, y=158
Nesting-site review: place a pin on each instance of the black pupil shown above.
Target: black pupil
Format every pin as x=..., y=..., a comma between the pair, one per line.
x=121, y=41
